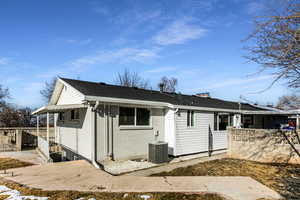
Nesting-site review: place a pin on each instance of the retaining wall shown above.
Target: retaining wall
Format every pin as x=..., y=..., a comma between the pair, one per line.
x=263, y=145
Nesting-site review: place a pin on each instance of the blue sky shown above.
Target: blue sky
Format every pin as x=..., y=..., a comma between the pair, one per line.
x=197, y=41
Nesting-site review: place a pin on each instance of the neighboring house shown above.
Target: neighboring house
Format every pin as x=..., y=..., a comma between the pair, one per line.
x=98, y=121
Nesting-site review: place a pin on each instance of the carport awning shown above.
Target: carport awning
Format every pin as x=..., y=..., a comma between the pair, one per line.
x=57, y=108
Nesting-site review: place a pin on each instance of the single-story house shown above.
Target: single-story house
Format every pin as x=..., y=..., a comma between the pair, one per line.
x=99, y=121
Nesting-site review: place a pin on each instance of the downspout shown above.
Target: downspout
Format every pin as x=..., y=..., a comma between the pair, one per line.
x=112, y=135
x=94, y=138
x=175, y=132
x=109, y=131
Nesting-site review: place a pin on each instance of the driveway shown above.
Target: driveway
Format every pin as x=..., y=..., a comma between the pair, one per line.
x=81, y=176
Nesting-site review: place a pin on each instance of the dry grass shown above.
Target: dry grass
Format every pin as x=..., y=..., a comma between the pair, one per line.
x=8, y=163
x=283, y=178
x=69, y=195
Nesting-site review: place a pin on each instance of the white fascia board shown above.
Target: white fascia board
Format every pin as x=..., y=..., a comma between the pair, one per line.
x=232, y=110
x=128, y=101
x=38, y=110
x=207, y=109
x=267, y=113
x=56, y=92
x=168, y=105
x=67, y=84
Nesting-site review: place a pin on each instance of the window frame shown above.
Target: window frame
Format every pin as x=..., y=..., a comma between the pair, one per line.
x=190, y=118
x=135, y=118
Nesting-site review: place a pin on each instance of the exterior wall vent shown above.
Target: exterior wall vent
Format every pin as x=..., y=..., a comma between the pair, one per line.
x=158, y=152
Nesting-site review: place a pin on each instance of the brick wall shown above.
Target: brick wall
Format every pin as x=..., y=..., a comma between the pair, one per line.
x=262, y=145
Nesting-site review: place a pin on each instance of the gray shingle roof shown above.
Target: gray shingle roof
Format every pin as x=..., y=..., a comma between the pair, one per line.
x=115, y=91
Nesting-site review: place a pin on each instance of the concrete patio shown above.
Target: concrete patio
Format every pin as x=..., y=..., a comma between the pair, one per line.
x=27, y=156
x=81, y=176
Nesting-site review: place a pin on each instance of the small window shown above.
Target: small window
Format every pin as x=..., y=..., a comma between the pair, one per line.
x=134, y=116
x=61, y=116
x=126, y=116
x=190, y=118
x=216, y=122
x=74, y=114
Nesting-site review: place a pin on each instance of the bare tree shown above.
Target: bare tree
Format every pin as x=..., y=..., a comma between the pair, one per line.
x=168, y=84
x=276, y=40
x=4, y=95
x=289, y=102
x=11, y=116
x=132, y=79
x=48, y=90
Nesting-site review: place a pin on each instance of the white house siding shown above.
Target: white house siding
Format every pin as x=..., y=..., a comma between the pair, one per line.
x=133, y=143
x=220, y=140
x=70, y=96
x=76, y=135
x=193, y=139
x=170, y=130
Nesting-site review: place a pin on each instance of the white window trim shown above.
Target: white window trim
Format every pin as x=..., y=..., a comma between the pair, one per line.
x=124, y=127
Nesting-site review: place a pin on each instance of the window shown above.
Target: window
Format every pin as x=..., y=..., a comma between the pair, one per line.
x=126, y=116
x=74, y=114
x=61, y=116
x=223, y=122
x=247, y=120
x=190, y=118
x=142, y=117
x=134, y=116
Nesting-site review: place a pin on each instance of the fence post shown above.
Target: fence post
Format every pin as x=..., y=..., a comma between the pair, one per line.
x=48, y=128
x=18, y=140
x=229, y=138
x=37, y=125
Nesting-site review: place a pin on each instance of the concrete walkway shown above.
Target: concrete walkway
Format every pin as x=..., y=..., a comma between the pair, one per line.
x=27, y=156
x=81, y=176
x=174, y=165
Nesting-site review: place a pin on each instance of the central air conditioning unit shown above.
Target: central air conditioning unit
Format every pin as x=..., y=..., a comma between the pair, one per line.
x=158, y=152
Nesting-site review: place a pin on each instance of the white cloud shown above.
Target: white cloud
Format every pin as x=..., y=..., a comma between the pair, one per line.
x=179, y=32
x=161, y=69
x=4, y=61
x=78, y=42
x=238, y=81
x=123, y=55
